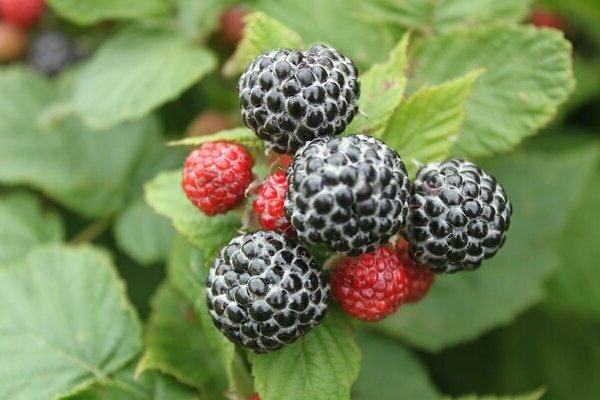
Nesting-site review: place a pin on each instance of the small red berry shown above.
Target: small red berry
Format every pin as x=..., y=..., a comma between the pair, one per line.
x=216, y=176
x=282, y=160
x=269, y=204
x=23, y=13
x=209, y=122
x=419, y=277
x=371, y=286
x=13, y=42
x=255, y=396
x=231, y=25
x=542, y=17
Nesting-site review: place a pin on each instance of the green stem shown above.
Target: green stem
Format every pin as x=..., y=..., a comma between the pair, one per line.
x=242, y=383
x=91, y=232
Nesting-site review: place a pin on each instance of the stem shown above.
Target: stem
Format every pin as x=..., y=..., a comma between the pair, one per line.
x=91, y=232
x=242, y=385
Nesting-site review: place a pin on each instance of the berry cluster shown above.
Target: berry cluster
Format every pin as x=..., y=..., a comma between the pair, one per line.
x=350, y=194
x=48, y=52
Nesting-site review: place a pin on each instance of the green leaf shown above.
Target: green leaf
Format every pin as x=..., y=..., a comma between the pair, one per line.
x=142, y=234
x=165, y=196
x=340, y=23
x=261, y=34
x=463, y=306
x=426, y=126
x=575, y=288
x=26, y=224
x=135, y=72
x=86, y=12
x=187, y=273
x=124, y=385
x=389, y=371
x=528, y=75
x=242, y=136
x=319, y=366
x=539, y=349
x=382, y=88
x=200, y=18
x=444, y=15
x=536, y=395
x=176, y=344
x=67, y=314
x=79, y=168
x=568, y=351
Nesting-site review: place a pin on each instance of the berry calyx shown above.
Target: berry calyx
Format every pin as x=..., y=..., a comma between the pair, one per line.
x=371, y=286
x=22, y=13
x=269, y=204
x=419, y=278
x=216, y=176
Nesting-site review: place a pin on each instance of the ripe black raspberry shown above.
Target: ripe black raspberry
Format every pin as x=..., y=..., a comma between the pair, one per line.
x=458, y=216
x=51, y=52
x=289, y=97
x=264, y=290
x=349, y=193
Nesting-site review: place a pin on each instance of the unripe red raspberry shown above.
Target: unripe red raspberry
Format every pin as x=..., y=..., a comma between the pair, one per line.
x=209, y=122
x=231, y=25
x=23, y=13
x=544, y=18
x=13, y=42
x=216, y=176
x=269, y=204
x=419, y=277
x=371, y=286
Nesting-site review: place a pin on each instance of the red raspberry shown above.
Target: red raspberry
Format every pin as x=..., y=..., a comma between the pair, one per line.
x=255, y=396
x=370, y=286
x=216, y=176
x=269, y=204
x=419, y=277
x=542, y=17
x=231, y=25
x=282, y=160
x=13, y=42
x=21, y=13
x=209, y=122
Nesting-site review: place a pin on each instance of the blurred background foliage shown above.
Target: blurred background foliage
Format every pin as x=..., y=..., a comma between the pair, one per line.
x=528, y=320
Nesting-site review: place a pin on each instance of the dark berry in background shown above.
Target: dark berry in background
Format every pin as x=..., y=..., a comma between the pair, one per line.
x=458, y=216
x=265, y=290
x=348, y=193
x=51, y=52
x=289, y=97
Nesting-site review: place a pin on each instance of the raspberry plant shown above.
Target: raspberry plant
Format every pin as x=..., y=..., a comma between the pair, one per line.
x=127, y=272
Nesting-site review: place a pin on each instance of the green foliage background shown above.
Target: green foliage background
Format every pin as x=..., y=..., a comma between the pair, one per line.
x=103, y=260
